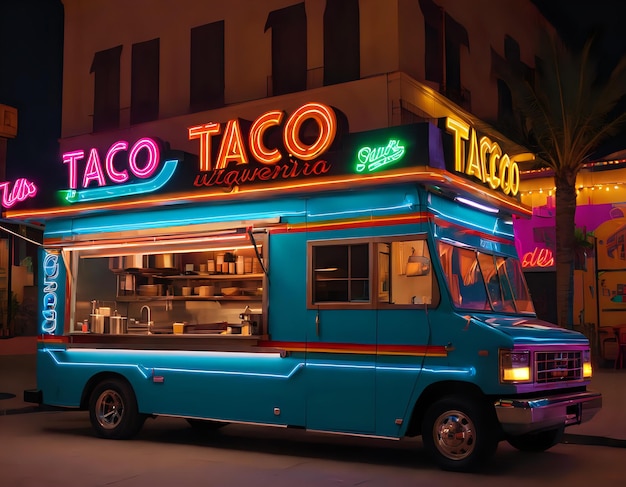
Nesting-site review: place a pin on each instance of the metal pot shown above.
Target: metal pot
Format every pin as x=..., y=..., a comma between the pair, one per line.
x=97, y=323
x=135, y=261
x=164, y=261
x=117, y=325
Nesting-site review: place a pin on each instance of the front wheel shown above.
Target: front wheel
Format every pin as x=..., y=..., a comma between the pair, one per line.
x=537, y=442
x=113, y=410
x=460, y=433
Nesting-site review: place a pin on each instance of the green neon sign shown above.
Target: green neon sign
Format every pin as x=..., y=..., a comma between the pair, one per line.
x=371, y=159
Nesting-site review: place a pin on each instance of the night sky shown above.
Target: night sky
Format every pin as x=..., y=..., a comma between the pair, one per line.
x=578, y=20
x=31, y=55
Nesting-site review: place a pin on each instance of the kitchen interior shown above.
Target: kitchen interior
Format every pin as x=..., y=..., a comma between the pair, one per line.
x=214, y=291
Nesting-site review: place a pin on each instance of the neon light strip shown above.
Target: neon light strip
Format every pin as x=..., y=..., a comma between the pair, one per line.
x=183, y=353
x=415, y=175
x=108, y=192
x=448, y=222
x=474, y=204
x=143, y=243
x=353, y=223
x=147, y=372
x=219, y=223
x=363, y=349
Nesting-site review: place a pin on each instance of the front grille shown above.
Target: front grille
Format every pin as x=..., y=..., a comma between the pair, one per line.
x=558, y=366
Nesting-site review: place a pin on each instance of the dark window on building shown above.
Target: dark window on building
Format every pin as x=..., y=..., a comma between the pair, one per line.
x=456, y=37
x=342, y=60
x=510, y=63
x=144, y=85
x=206, y=86
x=106, y=100
x=433, y=27
x=289, y=53
x=341, y=273
x=511, y=49
x=444, y=38
x=505, y=105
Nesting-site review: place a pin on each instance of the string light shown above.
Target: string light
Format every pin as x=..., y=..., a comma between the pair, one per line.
x=580, y=188
x=591, y=187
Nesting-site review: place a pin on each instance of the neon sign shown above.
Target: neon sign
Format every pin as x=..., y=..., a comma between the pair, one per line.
x=22, y=190
x=375, y=158
x=234, y=178
x=301, y=155
x=232, y=145
x=50, y=267
x=482, y=160
x=538, y=258
x=142, y=162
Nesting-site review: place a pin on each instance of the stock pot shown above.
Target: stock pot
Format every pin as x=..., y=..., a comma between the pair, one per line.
x=117, y=325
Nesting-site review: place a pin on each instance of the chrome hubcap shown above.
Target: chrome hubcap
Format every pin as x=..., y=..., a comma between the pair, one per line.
x=109, y=409
x=454, y=435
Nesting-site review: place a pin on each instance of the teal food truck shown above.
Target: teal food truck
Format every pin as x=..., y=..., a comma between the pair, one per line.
x=291, y=275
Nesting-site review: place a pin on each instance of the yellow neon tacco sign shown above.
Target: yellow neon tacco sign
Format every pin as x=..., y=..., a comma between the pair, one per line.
x=482, y=159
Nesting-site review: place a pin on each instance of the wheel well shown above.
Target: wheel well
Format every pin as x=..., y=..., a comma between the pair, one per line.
x=436, y=391
x=94, y=381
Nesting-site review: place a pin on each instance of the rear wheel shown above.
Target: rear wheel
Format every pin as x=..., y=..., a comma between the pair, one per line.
x=537, y=442
x=460, y=433
x=113, y=410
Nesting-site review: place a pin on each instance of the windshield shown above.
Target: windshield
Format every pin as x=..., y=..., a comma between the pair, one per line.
x=481, y=281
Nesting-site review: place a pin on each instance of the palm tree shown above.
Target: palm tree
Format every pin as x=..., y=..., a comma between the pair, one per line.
x=566, y=111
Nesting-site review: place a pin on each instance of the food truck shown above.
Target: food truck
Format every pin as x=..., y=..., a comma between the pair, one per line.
x=296, y=275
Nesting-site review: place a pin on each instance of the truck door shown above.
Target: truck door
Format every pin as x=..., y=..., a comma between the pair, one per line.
x=406, y=293
x=341, y=338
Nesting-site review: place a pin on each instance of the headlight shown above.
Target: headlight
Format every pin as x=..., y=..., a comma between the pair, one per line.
x=587, y=369
x=514, y=365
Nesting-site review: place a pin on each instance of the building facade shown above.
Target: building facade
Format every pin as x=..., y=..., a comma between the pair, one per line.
x=136, y=69
x=132, y=68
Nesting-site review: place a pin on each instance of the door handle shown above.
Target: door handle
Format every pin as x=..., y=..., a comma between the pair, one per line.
x=317, y=323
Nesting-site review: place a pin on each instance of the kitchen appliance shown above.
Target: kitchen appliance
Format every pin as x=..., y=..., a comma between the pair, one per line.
x=117, y=325
x=126, y=284
x=97, y=323
x=96, y=319
x=250, y=321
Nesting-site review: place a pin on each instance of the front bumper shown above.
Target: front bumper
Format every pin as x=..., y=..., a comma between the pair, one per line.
x=519, y=416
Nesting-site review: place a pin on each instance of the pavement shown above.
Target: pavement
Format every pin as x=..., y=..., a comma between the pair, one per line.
x=608, y=427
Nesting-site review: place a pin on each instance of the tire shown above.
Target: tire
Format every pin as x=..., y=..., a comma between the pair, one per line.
x=537, y=442
x=460, y=433
x=113, y=410
x=205, y=425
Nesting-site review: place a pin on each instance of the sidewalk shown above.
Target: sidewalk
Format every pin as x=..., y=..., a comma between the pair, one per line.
x=18, y=372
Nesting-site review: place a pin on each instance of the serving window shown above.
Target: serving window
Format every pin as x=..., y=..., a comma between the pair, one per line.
x=214, y=285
